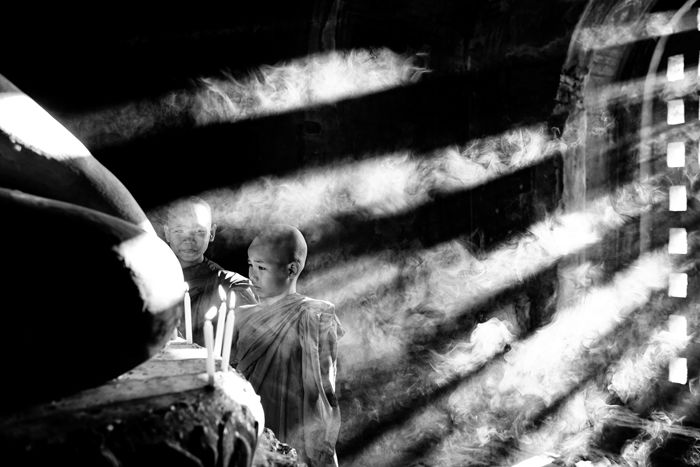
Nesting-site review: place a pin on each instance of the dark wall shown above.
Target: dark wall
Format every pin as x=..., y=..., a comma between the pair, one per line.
x=494, y=67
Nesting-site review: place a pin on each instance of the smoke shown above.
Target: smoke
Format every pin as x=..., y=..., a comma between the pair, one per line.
x=494, y=409
x=631, y=92
x=535, y=372
x=636, y=371
x=617, y=33
x=312, y=80
x=305, y=82
x=314, y=198
x=444, y=360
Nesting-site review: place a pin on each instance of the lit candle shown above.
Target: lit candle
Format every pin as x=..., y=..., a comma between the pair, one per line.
x=218, y=342
x=188, y=314
x=228, y=332
x=209, y=343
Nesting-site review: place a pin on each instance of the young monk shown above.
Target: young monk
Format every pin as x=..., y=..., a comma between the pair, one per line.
x=286, y=347
x=189, y=228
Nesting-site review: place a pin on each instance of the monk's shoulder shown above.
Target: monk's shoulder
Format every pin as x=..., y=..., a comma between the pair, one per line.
x=323, y=313
x=316, y=305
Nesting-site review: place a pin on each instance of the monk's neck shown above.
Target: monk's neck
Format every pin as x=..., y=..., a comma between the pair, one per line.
x=270, y=300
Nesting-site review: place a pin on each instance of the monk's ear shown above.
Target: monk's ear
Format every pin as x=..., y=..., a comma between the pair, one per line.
x=293, y=268
x=212, y=232
x=166, y=233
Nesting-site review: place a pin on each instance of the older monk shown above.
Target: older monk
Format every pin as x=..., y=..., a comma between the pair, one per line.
x=286, y=347
x=189, y=230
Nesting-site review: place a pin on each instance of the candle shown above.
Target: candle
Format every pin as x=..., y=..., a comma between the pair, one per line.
x=209, y=343
x=188, y=314
x=218, y=342
x=228, y=333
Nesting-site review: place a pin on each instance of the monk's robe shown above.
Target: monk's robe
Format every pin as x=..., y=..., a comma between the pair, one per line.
x=288, y=352
x=203, y=280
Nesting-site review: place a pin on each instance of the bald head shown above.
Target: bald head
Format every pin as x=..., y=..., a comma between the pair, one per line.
x=192, y=206
x=189, y=229
x=285, y=241
x=276, y=257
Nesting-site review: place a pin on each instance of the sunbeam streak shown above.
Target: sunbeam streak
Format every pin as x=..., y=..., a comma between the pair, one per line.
x=647, y=26
x=380, y=186
x=498, y=405
x=309, y=81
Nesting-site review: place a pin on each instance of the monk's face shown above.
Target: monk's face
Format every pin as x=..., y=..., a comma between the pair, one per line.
x=189, y=231
x=267, y=270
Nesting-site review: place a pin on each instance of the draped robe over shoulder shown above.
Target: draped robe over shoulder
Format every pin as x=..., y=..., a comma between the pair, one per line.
x=203, y=280
x=288, y=352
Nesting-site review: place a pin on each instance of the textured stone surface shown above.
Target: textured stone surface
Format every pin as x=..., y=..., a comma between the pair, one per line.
x=142, y=418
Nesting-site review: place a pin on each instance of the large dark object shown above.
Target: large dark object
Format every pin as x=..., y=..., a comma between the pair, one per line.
x=89, y=291
x=39, y=156
x=87, y=297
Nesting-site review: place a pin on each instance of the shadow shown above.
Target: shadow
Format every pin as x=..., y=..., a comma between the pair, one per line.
x=613, y=255
x=621, y=247
x=638, y=326
x=663, y=396
x=420, y=117
x=483, y=216
x=117, y=55
x=440, y=337
x=402, y=412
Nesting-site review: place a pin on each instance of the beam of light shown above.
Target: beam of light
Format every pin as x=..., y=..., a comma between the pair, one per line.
x=305, y=82
x=648, y=367
x=28, y=125
x=647, y=112
x=633, y=375
x=545, y=243
x=544, y=364
x=367, y=279
x=632, y=91
x=647, y=26
x=571, y=430
x=538, y=370
x=449, y=278
x=575, y=428
x=310, y=198
x=656, y=136
x=155, y=269
x=537, y=461
x=312, y=80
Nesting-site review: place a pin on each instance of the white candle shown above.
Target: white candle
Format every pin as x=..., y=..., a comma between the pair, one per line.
x=188, y=315
x=228, y=339
x=209, y=343
x=219, y=340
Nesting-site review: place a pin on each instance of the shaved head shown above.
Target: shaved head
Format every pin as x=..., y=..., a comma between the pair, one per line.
x=188, y=229
x=285, y=241
x=190, y=206
x=275, y=260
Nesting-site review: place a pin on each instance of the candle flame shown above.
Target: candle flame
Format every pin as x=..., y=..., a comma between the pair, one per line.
x=222, y=293
x=211, y=314
x=187, y=287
